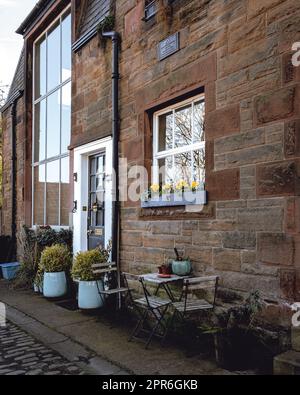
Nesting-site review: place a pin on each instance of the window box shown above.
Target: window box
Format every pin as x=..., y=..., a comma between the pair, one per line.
x=175, y=199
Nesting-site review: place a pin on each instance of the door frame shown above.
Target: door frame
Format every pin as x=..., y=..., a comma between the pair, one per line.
x=81, y=187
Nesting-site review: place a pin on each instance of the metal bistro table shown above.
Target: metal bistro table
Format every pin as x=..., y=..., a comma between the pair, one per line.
x=163, y=282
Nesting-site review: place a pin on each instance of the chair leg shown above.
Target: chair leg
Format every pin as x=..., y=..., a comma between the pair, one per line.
x=138, y=326
x=156, y=326
x=168, y=329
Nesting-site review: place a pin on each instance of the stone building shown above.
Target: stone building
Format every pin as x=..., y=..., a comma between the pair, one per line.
x=233, y=58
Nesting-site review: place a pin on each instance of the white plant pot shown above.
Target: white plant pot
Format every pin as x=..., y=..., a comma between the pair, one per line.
x=88, y=295
x=55, y=285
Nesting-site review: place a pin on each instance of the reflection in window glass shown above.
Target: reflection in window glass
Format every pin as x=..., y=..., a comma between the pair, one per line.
x=66, y=48
x=53, y=125
x=40, y=68
x=199, y=110
x=39, y=194
x=40, y=131
x=166, y=173
x=165, y=132
x=53, y=58
x=180, y=132
x=66, y=118
x=199, y=165
x=65, y=185
x=183, y=126
x=52, y=195
x=100, y=164
x=182, y=167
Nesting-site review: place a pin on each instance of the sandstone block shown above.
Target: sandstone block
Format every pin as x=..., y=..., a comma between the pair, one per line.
x=223, y=122
x=225, y=259
x=239, y=240
x=240, y=141
x=267, y=219
x=276, y=105
x=279, y=179
x=292, y=139
x=275, y=249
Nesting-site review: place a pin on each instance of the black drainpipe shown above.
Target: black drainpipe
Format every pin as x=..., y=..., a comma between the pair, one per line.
x=13, y=255
x=115, y=38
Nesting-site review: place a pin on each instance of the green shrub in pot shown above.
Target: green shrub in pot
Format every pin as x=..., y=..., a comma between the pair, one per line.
x=89, y=283
x=55, y=262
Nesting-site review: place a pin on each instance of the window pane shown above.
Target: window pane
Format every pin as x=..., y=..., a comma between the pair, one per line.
x=66, y=48
x=39, y=193
x=100, y=164
x=183, y=126
x=183, y=167
x=52, y=209
x=54, y=58
x=199, y=165
x=165, y=133
x=66, y=118
x=166, y=170
x=65, y=191
x=199, y=112
x=40, y=68
x=53, y=125
x=100, y=183
x=40, y=131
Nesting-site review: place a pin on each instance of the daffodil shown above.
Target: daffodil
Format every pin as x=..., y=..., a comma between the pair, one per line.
x=194, y=185
x=181, y=185
x=167, y=187
x=154, y=188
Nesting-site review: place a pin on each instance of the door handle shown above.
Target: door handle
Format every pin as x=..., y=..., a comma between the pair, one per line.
x=89, y=232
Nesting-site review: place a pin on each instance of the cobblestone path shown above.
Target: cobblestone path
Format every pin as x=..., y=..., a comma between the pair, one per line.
x=21, y=354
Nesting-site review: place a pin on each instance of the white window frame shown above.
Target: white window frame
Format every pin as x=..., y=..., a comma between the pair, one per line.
x=35, y=101
x=157, y=155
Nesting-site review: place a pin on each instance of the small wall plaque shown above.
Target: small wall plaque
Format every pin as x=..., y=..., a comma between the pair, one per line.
x=98, y=232
x=169, y=46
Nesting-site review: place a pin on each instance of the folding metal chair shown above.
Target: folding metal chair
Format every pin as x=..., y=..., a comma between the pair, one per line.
x=189, y=303
x=106, y=268
x=148, y=307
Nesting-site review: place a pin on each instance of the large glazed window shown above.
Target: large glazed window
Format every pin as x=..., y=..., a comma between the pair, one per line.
x=52, y=124
x=179, y=143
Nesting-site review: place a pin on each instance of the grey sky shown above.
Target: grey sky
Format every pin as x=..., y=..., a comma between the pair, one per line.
x=12, y=13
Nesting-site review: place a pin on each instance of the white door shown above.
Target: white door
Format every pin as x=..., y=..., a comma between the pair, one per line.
x=85, y=217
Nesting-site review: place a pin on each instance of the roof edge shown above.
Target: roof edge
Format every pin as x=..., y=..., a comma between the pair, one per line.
x=37, y=11
x=16, y=95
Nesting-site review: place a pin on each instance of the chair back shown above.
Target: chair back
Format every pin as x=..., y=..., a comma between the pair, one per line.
x=191, y=285
x=104, y=267
x=136, y=278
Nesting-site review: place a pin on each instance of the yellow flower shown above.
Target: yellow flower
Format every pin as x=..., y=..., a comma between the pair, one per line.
x=154, y=188
x=181, y=185
x=195, y=185
x=167, y=187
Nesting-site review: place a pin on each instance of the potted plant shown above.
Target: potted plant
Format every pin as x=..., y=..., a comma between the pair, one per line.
x=233, y=339
x=167, y=190
x=55, y=261
x=181, y=266
x=89, y=283
x=165, y=269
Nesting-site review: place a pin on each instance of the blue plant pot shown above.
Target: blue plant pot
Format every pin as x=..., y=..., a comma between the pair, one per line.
x=181, y=268
x=88, y=295
x=55, y=285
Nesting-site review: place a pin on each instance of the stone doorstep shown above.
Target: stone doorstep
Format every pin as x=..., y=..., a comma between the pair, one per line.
x=296, y=339
x=287, y=363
